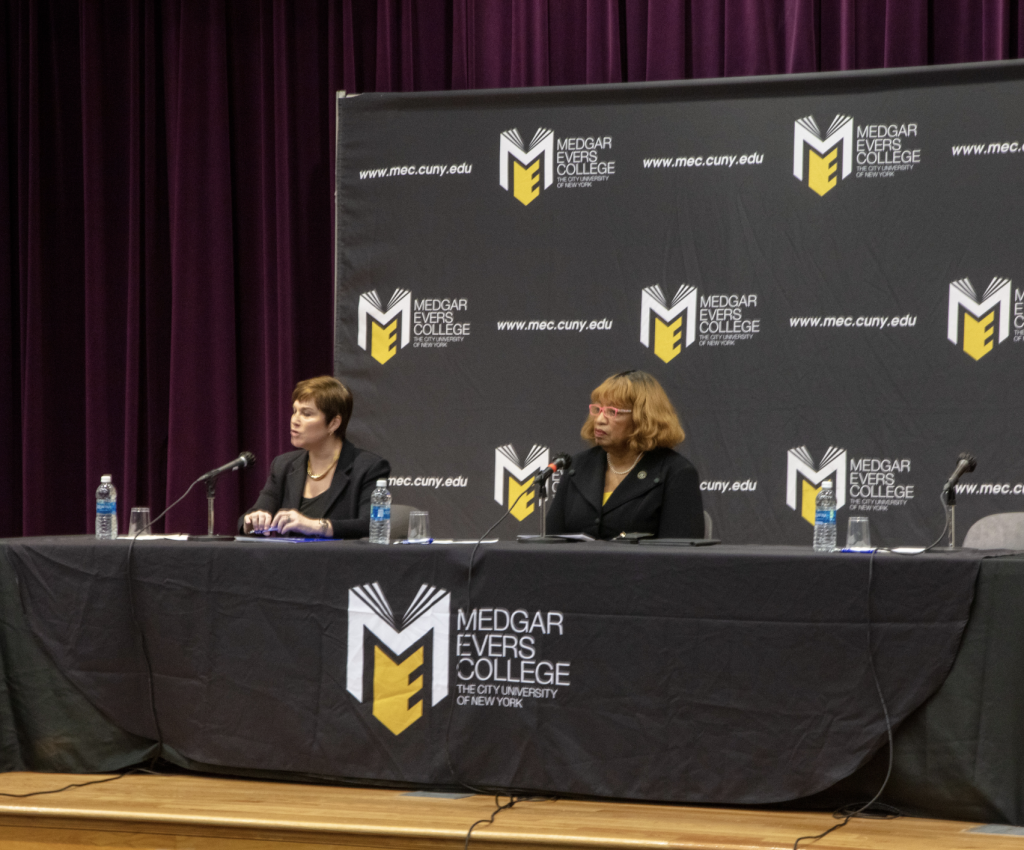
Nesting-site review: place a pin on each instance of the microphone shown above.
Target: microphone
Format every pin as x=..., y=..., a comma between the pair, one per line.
x=562, y=461
x=965, y=463
x=243, y=460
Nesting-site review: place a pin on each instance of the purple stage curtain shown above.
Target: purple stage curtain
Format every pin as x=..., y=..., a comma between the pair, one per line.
x=166, y=196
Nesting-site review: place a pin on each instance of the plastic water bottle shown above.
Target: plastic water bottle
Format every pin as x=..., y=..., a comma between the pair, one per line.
x=380, y=513
x=825, y=519
x=106, y=510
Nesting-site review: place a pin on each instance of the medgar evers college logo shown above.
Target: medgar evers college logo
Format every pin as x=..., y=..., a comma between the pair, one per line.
x=801, y=470
x=821, y=155
x=722, y=319
x=529, y=166
x=978, y=324
x=667, y=320
x=426, y=322
x=572, y=162
x=385, y=324
x=822, y=160
x=398, y=645
x=519, y=477
x=393, y=656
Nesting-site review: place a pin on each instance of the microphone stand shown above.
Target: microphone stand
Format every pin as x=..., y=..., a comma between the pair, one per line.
x=209, y=537
x=949, y=496
x=541, y=500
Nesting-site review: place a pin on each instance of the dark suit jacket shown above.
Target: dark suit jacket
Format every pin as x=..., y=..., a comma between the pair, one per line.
x=660, y=496
x=348, y=500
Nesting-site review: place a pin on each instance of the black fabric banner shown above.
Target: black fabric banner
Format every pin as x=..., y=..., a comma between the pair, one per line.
x=724, y=674
x=824, y=271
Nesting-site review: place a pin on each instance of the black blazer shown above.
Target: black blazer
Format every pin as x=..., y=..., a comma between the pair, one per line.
x=660, y=496
x=348, y=501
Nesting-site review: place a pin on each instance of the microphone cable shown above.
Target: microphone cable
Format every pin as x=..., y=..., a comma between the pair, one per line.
x=451, y=704
x=858, y=812
x=513, y=798
x=134, y=770
x=500, y=807
x=149, y=674
x=138, y=625
x=134, y=611
x=148, y=665
x=945, y=525
x=846, y=813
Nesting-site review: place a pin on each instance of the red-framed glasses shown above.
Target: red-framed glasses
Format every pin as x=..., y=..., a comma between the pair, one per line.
x=610, y=412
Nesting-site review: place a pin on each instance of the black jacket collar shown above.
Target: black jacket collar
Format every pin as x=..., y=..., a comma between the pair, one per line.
x=588, y=478
x=342, y=475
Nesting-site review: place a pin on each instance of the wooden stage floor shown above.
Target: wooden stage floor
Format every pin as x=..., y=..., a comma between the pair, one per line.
x=145, y=812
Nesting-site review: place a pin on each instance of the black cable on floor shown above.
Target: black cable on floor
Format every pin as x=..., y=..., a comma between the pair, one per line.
x=512, y=800
x=75, y=785
x=500, y=807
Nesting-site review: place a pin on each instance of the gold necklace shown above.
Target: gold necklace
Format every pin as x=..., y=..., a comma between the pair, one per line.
x=309, y=467
x=625, y=471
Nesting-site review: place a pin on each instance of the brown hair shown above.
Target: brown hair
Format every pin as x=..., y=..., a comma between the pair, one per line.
x=655, y=421
x=331, y=397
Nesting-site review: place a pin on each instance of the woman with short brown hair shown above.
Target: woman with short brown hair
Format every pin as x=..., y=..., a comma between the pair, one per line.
x=323, y=489
x=631, y=481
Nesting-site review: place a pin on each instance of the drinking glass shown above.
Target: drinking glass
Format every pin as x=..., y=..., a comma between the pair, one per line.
x=858, y=533
x=419, y=526
x=139, y=521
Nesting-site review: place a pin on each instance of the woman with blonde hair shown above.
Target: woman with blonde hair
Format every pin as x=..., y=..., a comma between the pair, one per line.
x=631, y=480
x=323, y=488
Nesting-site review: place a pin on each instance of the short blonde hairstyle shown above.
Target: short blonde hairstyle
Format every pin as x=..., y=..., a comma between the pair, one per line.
x=331, y=397
x=655, y=421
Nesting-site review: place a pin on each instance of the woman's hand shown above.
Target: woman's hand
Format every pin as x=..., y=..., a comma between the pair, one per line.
x=256, y=523
x=292, y=522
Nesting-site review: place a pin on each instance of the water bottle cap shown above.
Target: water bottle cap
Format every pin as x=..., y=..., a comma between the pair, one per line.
x=105, y=479
x=382, y=482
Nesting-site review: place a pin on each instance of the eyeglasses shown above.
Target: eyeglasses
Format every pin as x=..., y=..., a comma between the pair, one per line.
x=611, y=412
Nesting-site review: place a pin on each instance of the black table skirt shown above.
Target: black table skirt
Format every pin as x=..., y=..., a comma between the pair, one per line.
x=715, y=675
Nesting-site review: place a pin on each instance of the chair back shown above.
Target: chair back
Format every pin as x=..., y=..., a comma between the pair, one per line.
x=996, y=531
x=400, y=521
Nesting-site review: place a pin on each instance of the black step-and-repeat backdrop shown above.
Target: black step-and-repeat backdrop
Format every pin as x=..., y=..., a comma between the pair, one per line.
x=825, y=272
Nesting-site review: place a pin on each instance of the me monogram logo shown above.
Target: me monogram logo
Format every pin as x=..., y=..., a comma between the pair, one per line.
x=800, y=469
x=532, y=168
x=398, y=651
x=978, y=330
x=667, y=318
x=386, y=324
x=520, y=478
x=822, y=155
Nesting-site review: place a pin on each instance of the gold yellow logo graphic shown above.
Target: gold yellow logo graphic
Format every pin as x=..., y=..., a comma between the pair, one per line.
x=822, y=157
x=800, y=469
x=984, y=322
x=667, y=320
x=520, y=478
x=388, y=327
x=398, y=652
x=531, y=168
